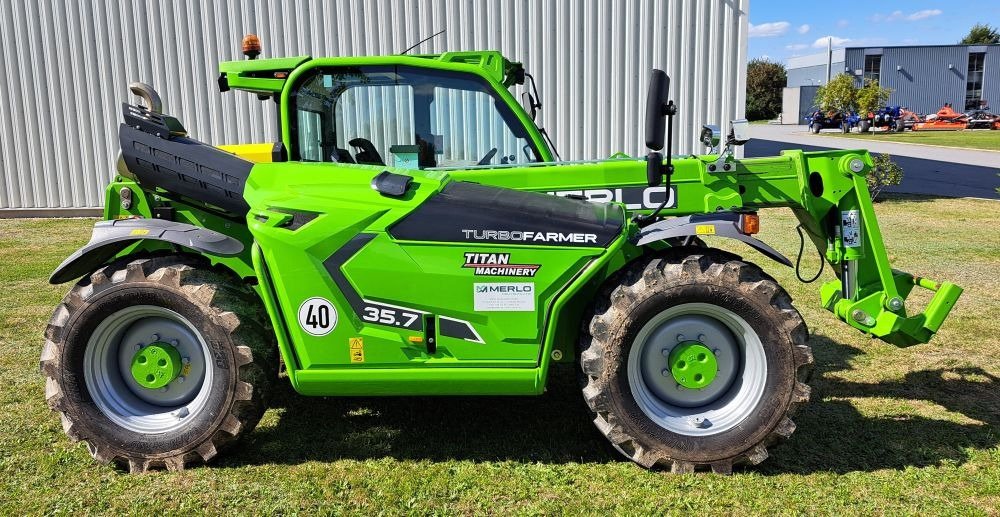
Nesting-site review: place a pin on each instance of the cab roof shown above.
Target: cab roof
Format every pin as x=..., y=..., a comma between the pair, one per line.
x=268, y=76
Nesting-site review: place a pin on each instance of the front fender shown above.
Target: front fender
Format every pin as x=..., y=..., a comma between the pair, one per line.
x=110, y=237
x=719, y=224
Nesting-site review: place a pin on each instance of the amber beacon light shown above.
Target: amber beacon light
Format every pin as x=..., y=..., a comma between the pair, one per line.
x=251, y=46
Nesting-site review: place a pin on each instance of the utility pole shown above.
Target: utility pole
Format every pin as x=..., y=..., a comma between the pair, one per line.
x=829, y=58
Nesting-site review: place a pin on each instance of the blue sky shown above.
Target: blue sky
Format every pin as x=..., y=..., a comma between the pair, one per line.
x=780, y=29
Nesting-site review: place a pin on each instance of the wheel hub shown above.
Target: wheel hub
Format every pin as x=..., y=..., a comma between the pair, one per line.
x=682, y=342
x=156, y=365
x=693, y=365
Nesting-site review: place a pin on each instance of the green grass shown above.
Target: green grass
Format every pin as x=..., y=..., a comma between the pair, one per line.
x=889, y=430
x=987, y=140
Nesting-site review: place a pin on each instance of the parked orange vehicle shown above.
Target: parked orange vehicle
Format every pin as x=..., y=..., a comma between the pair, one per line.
x=946, y=119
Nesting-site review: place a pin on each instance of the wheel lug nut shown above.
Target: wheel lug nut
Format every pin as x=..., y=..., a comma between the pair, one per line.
x=665, y=372
x=155, y=337
x=701, y=338
x=180, y=379
x=666, y=352
x=186, y=360
x=173, y=342
x=163, y=389
x=680, y=337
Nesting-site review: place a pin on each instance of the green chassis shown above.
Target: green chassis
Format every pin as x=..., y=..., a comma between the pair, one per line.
x=381, y=347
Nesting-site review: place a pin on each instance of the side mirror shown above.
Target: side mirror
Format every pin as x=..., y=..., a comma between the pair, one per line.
x=711, y=135
x=654, y=168
x=740, y=132
x=656, y=109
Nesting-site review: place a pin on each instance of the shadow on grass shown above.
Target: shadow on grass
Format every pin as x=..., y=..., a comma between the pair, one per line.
x=552, y=428
x=832, y=436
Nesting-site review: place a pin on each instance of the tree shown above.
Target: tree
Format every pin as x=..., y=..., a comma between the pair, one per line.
x=871, y=97
x=885, y=173
x=765, y=79
x=981, y=34
x=838, y=94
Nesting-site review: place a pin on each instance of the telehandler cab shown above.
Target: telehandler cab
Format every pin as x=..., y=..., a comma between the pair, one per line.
x=411, y=234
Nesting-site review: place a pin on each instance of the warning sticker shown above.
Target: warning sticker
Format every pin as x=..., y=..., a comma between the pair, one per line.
x=504, y=297
x=850, y=222
x=705, y=229
x=357, y=349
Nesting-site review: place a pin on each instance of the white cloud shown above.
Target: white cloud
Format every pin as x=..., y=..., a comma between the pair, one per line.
x=797, y=46
x=803, y=28
x=821, y=42
x=766, y=30
x=926, y=13
x=900, y=15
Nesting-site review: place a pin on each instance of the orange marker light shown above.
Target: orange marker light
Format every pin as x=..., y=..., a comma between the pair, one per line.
x=751, y=224
x=251, y=46
x=416, y=339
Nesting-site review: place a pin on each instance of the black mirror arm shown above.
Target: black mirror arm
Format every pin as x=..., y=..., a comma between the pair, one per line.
x=666, y=169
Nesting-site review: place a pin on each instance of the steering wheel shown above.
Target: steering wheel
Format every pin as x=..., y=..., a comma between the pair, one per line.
x=488, y=157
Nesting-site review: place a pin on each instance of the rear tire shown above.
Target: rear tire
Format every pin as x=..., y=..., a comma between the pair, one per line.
x=220, y=394
x=646, y=308
x=814, y=128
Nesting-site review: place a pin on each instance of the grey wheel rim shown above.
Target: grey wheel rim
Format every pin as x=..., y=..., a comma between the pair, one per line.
x=733, y=395
x=119, y=397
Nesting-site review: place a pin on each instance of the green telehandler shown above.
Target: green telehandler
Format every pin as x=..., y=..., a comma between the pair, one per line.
x=412, y=234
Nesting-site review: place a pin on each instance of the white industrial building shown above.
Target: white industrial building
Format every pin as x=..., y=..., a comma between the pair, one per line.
x=67, y=66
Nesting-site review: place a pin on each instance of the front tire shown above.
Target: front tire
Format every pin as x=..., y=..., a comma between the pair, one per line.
x=203, y=329
x=734, y=313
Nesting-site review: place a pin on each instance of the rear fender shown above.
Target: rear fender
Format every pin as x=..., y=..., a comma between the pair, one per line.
x=111, y=237
x=719, y=224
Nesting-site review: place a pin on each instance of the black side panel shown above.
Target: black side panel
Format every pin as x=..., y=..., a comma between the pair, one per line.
x=469, y=212
x=187, y=167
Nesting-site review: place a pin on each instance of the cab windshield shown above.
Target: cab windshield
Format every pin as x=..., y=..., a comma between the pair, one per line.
x=406, y=117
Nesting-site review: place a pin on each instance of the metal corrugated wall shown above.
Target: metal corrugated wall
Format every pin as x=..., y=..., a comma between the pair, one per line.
x=67, y=64
x=923, y=81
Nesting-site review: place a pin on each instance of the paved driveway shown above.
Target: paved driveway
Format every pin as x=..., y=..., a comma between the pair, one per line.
x=936, y=171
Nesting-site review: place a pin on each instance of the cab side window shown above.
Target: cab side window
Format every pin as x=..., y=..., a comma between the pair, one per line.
x=406, y=117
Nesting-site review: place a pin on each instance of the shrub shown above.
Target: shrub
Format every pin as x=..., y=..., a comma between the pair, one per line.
x=871, y=97
x=837, y=95
x=885, y=173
